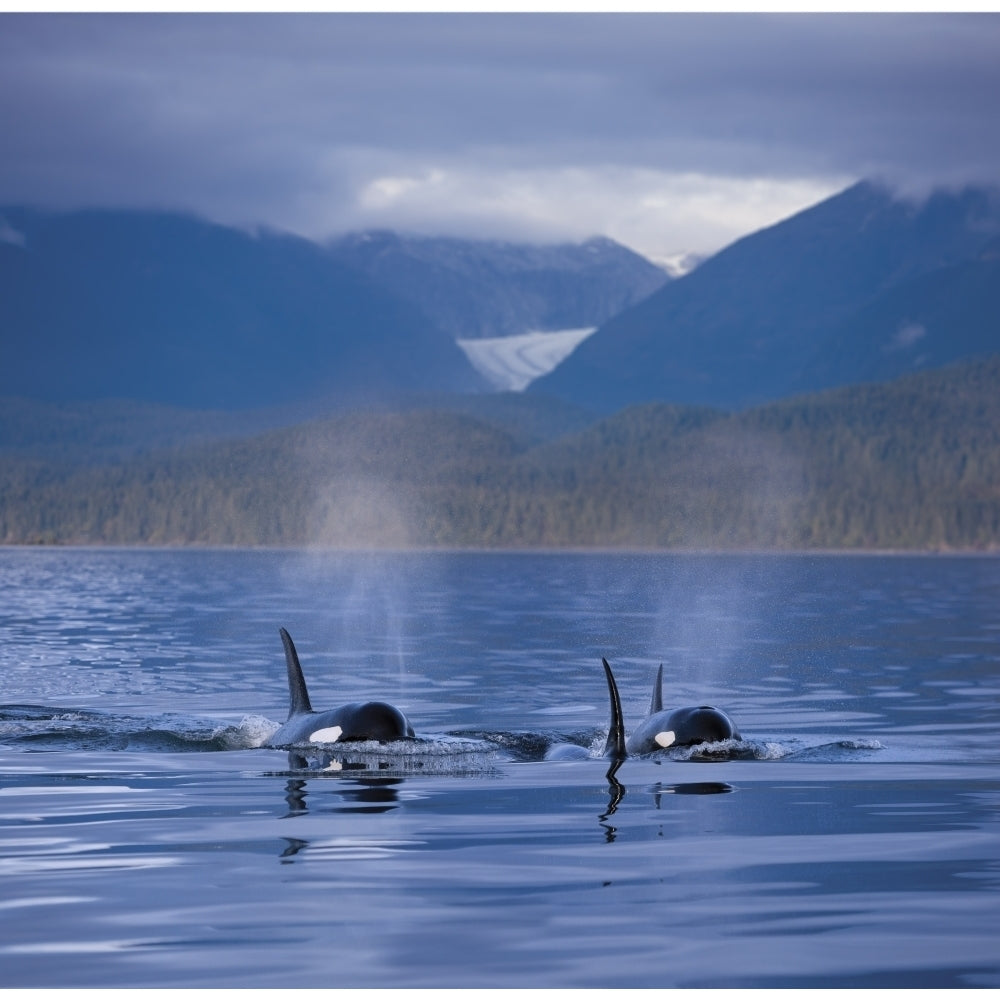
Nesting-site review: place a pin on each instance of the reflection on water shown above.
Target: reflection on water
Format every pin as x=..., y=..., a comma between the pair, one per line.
x=377, y=795
x=694, y=788
x=369, y=795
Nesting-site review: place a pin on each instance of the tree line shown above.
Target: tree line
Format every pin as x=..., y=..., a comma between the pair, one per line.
x=910, y=464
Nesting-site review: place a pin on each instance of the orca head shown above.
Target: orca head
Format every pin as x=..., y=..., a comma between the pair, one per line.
x=375, y=720
x=703, y=724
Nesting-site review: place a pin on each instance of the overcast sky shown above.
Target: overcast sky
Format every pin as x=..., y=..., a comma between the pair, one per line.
x=668, y=132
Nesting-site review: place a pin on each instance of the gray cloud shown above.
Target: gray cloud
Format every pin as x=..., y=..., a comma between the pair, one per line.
x=492, y=124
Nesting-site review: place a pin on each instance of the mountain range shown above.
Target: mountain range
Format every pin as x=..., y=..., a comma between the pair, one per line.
x=174, y=310
x=168, y=309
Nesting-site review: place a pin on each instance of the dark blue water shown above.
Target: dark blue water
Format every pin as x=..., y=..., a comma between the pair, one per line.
x=147, y=839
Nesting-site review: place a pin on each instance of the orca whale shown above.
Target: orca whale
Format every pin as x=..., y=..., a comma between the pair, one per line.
x=369, y=720
x=682, y=727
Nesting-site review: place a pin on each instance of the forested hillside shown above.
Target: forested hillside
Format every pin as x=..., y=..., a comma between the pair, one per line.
x=912, y=464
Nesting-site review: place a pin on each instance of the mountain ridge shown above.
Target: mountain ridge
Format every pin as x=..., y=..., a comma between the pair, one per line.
x=166, y=308
x=475, y=288
x=758, y=320
x=169, y=308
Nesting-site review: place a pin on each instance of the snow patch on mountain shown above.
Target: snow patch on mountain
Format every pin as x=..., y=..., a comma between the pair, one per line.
x=8, y=234
x=513, y=363
x=677, y=264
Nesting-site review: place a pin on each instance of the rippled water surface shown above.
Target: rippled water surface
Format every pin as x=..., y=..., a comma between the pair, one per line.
x=148, y=838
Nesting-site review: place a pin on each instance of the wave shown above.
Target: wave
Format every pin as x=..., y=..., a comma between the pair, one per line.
x=41, y=728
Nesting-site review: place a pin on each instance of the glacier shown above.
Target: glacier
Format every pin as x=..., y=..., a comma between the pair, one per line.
x=512, y=363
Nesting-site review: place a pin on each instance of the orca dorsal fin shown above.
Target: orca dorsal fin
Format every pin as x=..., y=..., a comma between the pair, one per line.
x=656, y=702
x=298, y=695
x=615, y=747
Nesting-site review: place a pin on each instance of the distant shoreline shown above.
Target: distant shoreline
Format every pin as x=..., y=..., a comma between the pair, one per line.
x=576, y=550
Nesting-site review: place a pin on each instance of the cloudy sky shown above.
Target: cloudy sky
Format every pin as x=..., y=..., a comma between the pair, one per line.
x=671, y=133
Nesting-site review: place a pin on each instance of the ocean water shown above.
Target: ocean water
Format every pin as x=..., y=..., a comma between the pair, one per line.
x=148, y=839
